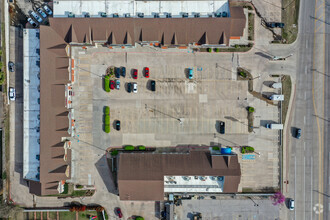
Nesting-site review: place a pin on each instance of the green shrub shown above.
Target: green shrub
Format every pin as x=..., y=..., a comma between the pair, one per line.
x=215, y=148
x=141, y=147
x=242, y=74
x=79, y=186
x=217, y=50
x=107, y=110
x=129, y=147
x=4, y=175
x=114, y=153
x=106, y=119
x=107, y=128
x=251, y=109
x=209, y=50
x=236, y=46
x=2, y=77
x=139, y=218
x=247, y=149
x=107, y=83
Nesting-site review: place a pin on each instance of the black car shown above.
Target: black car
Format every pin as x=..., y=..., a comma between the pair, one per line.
x=11, y=66
x=153, y=85
x=117, y=72
x=129, y=87
x=118, y=125
x=222, y=127
x=298, y=133
x=123, y=71
x=275, y=25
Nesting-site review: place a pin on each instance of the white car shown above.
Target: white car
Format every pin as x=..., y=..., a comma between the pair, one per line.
x=48, y=10
x=12, y=94
x=32, y=22
x=37, y=17
x=41, y=12
x=291, y=204
x=135, y=87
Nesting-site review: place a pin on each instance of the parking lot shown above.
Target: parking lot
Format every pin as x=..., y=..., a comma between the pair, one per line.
x=181, y=112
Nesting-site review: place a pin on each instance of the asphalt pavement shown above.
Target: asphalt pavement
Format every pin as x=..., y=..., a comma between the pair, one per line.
x=309, y=156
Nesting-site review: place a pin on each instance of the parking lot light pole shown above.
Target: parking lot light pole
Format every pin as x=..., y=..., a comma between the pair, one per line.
x=255, y=204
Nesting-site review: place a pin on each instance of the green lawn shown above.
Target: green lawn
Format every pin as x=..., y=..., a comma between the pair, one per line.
x=290, y=14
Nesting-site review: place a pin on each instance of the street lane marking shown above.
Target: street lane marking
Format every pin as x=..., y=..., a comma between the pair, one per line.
x=305, y=95
x=304, y=146
x=318, y=28
x=304, y=187
x=305, y=69
x=295, y=172
x=304, y=119
x=311, y=187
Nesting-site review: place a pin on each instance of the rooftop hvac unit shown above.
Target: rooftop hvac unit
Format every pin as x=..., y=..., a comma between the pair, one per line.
x=71, y=15
x=224, y=14
x=156, y=15
x=127, y=15
x=140, y=15
x=87, y=15
x=197, y=15
x=115, y=15
x=168, y=15
x=185, y=15
x=220, y=178
x=218, y=15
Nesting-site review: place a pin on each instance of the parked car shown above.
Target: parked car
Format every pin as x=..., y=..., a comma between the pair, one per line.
x=298, y=133
x=32, y=22
x=117, y=72
x=112, y=84
x=36, y=16
x=153, y=85
x=118, y=125
x=291, y=204
x=146, y=72
x=11, y=66
x=135, y=73
x=47, y=9
x=42, y=13
x=117, y=84
x=275, y=25
x=222, y=127
x=123, y=71
x=129, y=87
x=119, y=213
x=190, y=73
x=12, y=94
x=135, y=89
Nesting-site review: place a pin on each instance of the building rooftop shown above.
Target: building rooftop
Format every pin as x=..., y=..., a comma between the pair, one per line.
x=144, y=176
x=149, y=9
x=31, y=113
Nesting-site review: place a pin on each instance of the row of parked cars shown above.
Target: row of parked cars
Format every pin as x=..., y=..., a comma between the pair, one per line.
x=131, y=86
x=121, y=71
x=38, y=16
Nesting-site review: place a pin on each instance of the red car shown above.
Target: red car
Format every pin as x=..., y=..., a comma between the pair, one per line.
x=112, y=84
x=146, y=72
x=119, y=213
x=135, y=74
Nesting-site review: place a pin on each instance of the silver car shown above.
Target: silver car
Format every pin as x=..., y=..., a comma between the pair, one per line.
x=12, y=94
x=41, y=12
x=135, y=89
x=48, y=10
x=37, y=17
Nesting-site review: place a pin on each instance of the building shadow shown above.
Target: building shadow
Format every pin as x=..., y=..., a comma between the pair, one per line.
x=105, y=173
x=268, y=83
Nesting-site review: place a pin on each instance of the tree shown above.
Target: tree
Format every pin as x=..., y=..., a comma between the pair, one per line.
x=278, y=198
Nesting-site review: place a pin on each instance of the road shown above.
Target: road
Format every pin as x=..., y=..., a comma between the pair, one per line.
x=309, y=156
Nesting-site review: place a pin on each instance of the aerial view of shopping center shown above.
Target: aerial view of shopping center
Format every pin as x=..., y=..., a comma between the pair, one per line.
x=198, y=109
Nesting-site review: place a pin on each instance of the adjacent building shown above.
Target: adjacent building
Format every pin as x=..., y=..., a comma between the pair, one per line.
x=152, y=176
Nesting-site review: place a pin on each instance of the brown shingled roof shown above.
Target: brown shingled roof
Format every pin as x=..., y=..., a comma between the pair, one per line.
x=141, y=175
x=54, y=74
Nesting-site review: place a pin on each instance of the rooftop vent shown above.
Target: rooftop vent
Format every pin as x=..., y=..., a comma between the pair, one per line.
x=197, y=15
